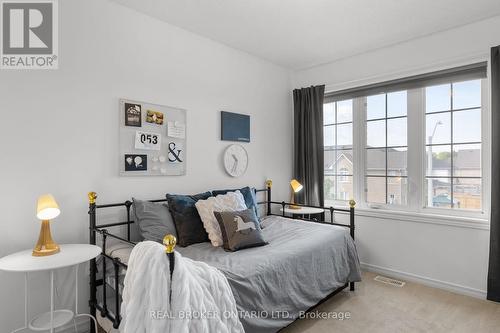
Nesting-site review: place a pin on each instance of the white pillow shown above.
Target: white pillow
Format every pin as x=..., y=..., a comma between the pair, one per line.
x=229, y=202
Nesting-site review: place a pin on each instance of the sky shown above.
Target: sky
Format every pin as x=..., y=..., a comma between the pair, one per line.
x=466, y=123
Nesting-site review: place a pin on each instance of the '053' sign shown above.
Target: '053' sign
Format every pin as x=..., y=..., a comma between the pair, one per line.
x=147, y=141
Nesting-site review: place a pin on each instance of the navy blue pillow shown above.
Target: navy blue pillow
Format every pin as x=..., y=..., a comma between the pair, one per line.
x=187, y=221
x=248, y=194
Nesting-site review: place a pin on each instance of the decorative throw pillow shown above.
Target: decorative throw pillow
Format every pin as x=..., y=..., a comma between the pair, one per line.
x=240, y=230
x=249, y=195
x=153, y=219
x=231, y=202
x=187, y=221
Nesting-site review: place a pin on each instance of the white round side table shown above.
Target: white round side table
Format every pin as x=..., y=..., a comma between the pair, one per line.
x=24, y=262
x=303, y=211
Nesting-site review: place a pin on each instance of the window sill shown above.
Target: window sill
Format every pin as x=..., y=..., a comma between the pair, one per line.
x=449, y=220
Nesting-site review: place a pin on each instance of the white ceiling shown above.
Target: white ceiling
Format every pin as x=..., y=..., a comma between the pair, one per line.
x=303, y=33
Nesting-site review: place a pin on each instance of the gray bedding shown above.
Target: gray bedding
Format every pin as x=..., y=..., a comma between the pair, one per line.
x=302, y=264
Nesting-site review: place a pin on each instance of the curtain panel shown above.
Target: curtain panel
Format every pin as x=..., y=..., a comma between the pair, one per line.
x=308, y=143
x=493, y=293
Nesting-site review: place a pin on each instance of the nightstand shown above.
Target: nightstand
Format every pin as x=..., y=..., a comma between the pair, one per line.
x=70, y=255
x=303, y=211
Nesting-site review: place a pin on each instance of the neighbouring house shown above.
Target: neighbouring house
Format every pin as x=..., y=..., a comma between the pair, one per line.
x=467, y=190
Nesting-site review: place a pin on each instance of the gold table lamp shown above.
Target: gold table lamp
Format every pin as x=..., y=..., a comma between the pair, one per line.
x=46, y=210
x=296, y=187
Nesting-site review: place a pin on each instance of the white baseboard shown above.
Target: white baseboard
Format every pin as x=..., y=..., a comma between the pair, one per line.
x=456, y=288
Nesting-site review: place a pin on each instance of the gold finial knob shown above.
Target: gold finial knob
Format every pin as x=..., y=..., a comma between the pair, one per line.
x=92, y=197
x=169, y=241
x=269, y=183
x=352, y=203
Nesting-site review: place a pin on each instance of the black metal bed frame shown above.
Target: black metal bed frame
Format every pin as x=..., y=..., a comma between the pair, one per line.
x=94, y=229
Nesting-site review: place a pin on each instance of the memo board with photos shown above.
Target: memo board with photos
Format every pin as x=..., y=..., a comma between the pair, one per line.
x=152, y=139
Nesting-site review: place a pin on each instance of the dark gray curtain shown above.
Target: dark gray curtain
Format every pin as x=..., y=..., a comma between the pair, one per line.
x=308, y=143
x=494, y=266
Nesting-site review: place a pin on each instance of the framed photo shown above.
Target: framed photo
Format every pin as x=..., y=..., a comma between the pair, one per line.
x=134, y=162
x=154, y=117
x=133, y=115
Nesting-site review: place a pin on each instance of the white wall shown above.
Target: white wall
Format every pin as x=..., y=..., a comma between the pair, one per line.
x=450, y=257
x=59, y=129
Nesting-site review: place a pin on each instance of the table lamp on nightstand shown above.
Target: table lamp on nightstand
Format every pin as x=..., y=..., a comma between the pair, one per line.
x=296, y=187
x=46, y=210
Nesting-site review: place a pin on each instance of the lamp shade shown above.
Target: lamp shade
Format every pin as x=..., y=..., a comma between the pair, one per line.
x=47, y=207
x=296, y=186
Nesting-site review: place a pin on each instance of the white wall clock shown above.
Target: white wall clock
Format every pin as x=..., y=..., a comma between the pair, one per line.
x=235, y=160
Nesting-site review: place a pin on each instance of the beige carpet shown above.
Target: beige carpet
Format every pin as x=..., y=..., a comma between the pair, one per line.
x=377, y=307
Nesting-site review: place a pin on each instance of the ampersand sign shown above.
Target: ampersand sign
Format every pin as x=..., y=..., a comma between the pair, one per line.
x=174, y=154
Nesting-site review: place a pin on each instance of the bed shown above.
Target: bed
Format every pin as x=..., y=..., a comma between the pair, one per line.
x=272, y=285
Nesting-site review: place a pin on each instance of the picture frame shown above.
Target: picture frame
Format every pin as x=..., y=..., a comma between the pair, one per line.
x=136, y=162
x=160, y=141
x=235, y=127
x=133, y=114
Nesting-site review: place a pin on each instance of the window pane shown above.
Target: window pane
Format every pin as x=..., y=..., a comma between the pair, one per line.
x=375, y=133
x=344, y=188
x=328, y=113
x=344, y=111
x=467, y=126
x=344, y=162
x=375, y=107
x=437, y=98
x=375, y=189
x=467, y=94
x=396, y=161
x=396, y=190
x=396, y=104
x=396, y=132
x=467, y=160
x=438, y=192
x=375, y=161
x=467, y=193
x=329, y=136
x=329, y=188
x=438, y=128
x=329, y=160
x=440, y=164
x=344, y=136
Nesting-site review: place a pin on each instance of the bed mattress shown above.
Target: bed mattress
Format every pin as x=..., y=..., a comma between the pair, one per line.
x=302, y=264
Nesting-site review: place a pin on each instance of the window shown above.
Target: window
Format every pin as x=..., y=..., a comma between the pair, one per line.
x=343, y=175
x=411, y=144
x=337, y=122
x=453, y=145
x=386, y=148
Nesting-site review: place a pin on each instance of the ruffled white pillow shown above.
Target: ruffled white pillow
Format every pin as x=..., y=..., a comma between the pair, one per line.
x=229, y=202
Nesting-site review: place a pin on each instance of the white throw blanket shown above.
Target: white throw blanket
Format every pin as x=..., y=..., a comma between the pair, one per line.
x=202, y=300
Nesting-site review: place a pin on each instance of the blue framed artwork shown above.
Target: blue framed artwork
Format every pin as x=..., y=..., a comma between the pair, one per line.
x=235, y=127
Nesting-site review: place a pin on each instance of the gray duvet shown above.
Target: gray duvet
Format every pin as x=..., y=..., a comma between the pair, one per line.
x=302, y=264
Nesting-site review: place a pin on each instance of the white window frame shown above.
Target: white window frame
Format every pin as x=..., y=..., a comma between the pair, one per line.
x=387, y=206
x=485, y=162
x=415, y=209
x=339, y=202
